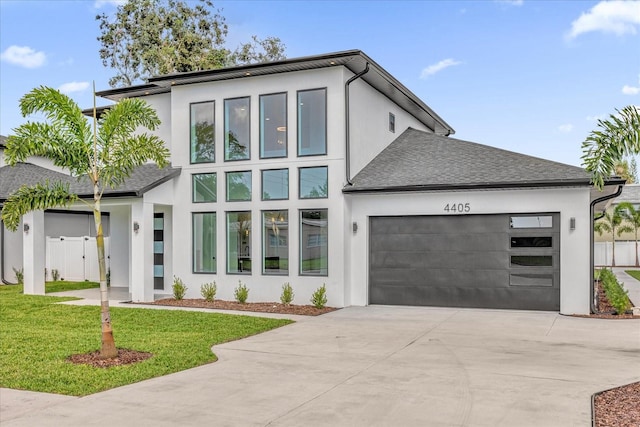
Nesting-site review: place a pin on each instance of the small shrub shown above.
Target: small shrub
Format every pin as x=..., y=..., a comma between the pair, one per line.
x=241, y=293
x=179, y=288
x=287, y=294
x=55, y=275
x=616, y=294
x=19, y=275
x=319, y=297
x=208, y=291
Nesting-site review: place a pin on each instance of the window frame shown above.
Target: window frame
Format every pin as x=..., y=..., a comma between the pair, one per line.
x=191, y=124
x=302, y=245
x=262, y=171
x=392, y=122
x=193, y=187
x=300, y=169
x=265, y=243
x=261, y=129
x=250, y=237
x=226, y=183
x=225, y=130
x=298, y=130
x=193, y=243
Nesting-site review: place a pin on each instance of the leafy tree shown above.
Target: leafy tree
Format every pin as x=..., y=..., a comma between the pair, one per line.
x=626, y=170
x=616, y=137
x=609, y=223
x=152, y=37
x=106, y=153
x=631, y=216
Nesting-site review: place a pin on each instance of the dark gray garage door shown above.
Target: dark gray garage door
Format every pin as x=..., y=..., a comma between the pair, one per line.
x=489, y=261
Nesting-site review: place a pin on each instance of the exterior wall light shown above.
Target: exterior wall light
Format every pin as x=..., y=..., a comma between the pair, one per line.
x=355, y=227
x=572, y=223
x=136, y=227
x=26, y=228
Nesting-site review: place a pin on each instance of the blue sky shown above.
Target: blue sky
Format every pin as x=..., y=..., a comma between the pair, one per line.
x=523, y=75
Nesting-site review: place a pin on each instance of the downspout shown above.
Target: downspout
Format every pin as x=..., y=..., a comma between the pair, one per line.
x=591, y=239
x=347, y=122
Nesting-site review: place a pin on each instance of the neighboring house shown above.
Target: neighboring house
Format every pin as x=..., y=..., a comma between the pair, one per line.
x=327, y=170
x=626, y=242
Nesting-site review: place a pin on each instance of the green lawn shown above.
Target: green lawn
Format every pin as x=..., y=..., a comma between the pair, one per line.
x=37, y=336
x=633, y=273
x=61, y=286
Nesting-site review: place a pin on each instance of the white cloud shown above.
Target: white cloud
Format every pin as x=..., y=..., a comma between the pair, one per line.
x=631, y=90
x=617, y=16
x=23, y=56
x=595, y=118
x=73, y=87
x=566, y=128
x=511, y=2
x=99, y=3
x=434, y=68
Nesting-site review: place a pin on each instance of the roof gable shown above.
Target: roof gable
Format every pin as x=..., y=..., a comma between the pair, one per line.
x=419, y=160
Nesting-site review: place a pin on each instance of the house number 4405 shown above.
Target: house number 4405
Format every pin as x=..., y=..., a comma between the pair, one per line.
x=457, y=207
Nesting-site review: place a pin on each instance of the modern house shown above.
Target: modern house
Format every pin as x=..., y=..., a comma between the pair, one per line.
x=328, y=170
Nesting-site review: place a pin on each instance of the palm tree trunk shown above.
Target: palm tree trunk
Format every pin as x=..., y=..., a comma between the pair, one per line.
x=637, y=263
x=108, y=349
x=613, y=252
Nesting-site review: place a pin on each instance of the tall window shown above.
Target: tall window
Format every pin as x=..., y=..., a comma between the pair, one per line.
x=275, y=242
x=238, y=186
x=314, y=249
x=275, y=184
x=202, y=132
x=313, y=183
x=312, y=122
x=204, y=242
x=273, y=125
x=239, y=242
x=237, y=129
x=204, y=187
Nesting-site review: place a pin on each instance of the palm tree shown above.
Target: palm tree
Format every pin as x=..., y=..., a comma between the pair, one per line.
x=617, y=137
x=106, y=153
x=609, y=223
x=632, y=219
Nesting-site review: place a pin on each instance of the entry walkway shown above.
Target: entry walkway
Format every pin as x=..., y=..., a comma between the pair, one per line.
x=631, y=284
x=378, y=366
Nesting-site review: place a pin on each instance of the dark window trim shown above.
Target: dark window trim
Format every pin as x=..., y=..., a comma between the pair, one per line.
x=226, y=186
x=191, y=162
x=226, y=243
x=326, y=119
x=262, y=183
x=300, y=186
x=193, y=187
x=224, y=136
x=392, y=122
x=262, y=236
x=193, y=270
x=300, y=246
x=286, y=124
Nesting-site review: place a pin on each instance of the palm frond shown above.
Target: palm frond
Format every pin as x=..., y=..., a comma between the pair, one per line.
x=36, y=197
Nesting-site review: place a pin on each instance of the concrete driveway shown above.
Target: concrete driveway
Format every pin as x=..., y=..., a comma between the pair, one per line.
x=376, y=366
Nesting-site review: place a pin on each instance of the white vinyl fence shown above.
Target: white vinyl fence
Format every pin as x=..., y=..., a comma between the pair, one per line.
x=75, y=258
x=625, y=254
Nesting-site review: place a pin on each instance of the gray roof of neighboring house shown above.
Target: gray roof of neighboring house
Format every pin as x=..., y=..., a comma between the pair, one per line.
x=353, y=60
x=141, y=180
x=421, y=161
x=630, y=193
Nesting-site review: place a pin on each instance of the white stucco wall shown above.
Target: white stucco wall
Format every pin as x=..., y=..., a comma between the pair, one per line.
x=161, y=103
x=369, y=117
x=12, y=255
x=570, y=202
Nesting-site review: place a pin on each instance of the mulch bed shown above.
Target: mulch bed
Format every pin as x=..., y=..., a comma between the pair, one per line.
x=618, y=407
x=125, y=357
x=605, y=309
x=260, y=307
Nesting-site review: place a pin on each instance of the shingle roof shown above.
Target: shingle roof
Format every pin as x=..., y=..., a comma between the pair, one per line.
x=143, y=179
x=419, y=160
x=630, y=193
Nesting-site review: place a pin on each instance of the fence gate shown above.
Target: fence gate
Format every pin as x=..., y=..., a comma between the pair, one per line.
x=75, y=258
